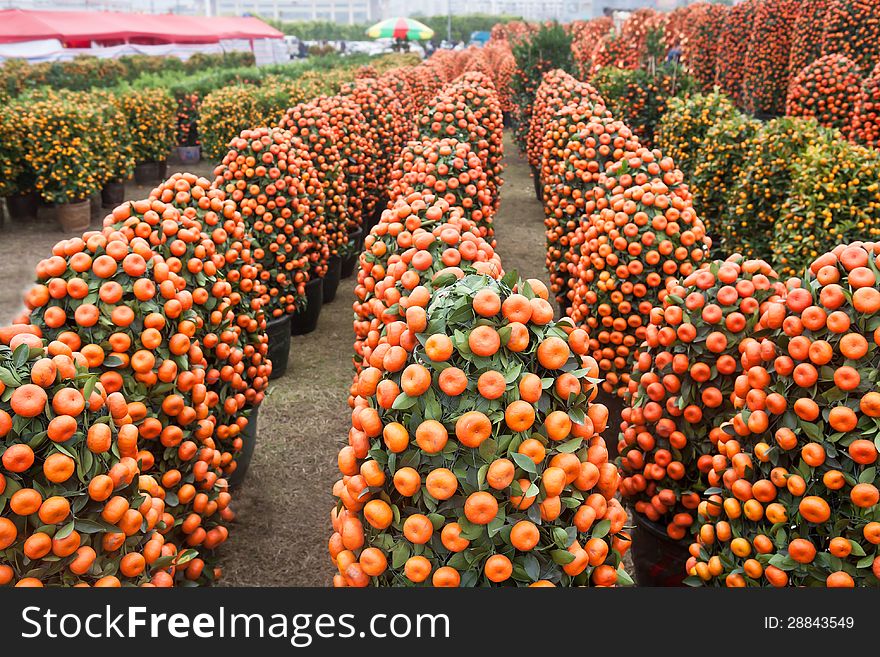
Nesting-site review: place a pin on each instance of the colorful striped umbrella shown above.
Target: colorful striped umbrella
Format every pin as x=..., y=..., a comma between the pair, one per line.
x=400, y=28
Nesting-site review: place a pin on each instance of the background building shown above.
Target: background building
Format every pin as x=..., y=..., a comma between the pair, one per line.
x=563, y=10
x=357, y=11
x=335, y=11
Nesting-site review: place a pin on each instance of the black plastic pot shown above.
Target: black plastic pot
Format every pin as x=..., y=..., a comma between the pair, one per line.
x=615, y=406
x=150, y=173
x=278, y=332
x=376, y=216
x=539, y=189
x=332, y=278
x=306, y=320
x=113, y=194
x=23, y=207
x=249, y=441
x=356, y=245
x=657, y=559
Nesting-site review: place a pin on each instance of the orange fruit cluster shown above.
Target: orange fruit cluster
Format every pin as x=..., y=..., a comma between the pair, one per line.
x=164, y=302
x=682, y=386
x=384, y=113
x=579, y=146
x=826, y=90
x=628, y=49
x=452, y=171
x=76, y=509
x=355, y=139
x=806, y=45
x=138, y=328
x=865, y=126
x=279, y=196
x=585, y=37
x=733, y=43
x=794, y=476
x=852, y=30
x=475, y=457
x=701, y=45
x=232, y=336
x=644, y=232
x=502, y=65
x=418, y=237
x=557, y=89
x=765, y=74
x=467, y=110
x=315, y=140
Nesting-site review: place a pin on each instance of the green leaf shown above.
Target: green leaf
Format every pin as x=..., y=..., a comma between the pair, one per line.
x=400, y=554
x=524, y=462
x=570, y=446
x=560, y=537
x=65, y=531
x=562, y=557
x=20, y=355
x=86, y=526
x=404, y=402
x=531, y=567
x=857, y=550
x=601, y=529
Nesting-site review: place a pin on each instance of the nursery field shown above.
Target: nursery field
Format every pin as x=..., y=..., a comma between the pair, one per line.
x=298, y=462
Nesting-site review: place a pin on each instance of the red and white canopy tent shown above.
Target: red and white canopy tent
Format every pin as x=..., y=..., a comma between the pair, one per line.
x=62, y=34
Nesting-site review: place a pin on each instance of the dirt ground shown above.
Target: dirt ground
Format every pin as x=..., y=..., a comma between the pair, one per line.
x=283, y=507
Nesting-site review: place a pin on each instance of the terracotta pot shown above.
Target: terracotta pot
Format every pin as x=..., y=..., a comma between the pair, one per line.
x=75, y=217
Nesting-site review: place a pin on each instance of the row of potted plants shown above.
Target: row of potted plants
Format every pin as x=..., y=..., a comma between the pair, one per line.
x=41, y=129
x=172, y=304
x=746, y=444
x=475, y=455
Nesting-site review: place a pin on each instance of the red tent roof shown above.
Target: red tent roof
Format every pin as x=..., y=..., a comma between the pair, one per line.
x=23, y=25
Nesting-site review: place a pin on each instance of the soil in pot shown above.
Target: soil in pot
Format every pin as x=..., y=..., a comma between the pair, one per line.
x=332, y=278
x=306, y=320
x=113, y=194
x=278, y=332
x=23, y=207
x=249, y=442
x=75, y=217
x=657, y=559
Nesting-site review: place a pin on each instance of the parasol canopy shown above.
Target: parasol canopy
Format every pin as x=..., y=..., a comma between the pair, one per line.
x=400, y=28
